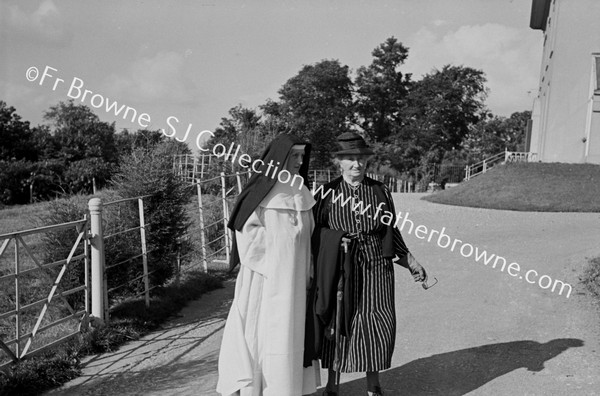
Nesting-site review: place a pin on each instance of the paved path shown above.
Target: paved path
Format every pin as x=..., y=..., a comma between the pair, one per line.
x=479, y=331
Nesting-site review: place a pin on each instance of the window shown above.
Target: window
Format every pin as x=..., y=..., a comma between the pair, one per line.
x=597, y=73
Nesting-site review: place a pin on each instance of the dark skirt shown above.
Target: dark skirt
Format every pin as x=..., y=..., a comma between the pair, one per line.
x=370, y=345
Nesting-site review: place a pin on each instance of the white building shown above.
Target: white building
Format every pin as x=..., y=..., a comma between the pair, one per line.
x=565, y=123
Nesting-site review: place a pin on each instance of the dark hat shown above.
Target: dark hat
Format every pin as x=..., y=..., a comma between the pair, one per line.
x=351, y=143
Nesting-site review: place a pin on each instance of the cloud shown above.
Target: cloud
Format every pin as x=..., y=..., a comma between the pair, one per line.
x=509, y=57
x=45, y=25
x=149, y=79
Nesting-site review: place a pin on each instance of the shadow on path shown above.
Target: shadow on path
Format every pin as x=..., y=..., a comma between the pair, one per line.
x=160, y=360
x=175, y=378
x=460, y=372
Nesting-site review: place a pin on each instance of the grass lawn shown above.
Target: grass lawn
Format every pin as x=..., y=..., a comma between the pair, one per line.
x=542, y=187
x=21, y=217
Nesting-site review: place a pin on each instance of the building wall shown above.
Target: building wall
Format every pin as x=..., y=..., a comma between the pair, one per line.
x=563, y=133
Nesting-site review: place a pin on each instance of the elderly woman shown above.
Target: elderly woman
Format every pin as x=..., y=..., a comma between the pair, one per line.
x=262, y=348
x=369, y=341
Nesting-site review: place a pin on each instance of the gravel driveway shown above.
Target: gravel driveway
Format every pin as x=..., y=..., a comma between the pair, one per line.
x=479, y=331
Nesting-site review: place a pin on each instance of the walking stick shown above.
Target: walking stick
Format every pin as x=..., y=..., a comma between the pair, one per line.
x=338, y=320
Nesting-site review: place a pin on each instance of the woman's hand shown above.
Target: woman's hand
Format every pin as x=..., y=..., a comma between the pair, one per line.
x=418, y=272
x=416, y=269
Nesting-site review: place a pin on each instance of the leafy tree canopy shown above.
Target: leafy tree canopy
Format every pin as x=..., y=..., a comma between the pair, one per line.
x=78, y=133
x=382, y=89
x=15, y=136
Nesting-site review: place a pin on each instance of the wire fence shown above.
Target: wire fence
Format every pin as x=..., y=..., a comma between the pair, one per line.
x=208, y=233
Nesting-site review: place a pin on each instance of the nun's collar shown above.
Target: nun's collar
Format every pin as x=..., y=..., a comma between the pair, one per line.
x=286, y=196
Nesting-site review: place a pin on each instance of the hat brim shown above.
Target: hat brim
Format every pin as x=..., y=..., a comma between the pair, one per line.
x=355, y=151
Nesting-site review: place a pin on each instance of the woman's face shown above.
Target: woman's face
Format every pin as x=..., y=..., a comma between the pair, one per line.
x=353, y=165
x=295, y=159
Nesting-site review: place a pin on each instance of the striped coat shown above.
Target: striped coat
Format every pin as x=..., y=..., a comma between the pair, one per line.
x=370, y=345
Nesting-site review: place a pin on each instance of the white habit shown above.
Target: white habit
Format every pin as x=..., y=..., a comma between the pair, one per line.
x=263, y=341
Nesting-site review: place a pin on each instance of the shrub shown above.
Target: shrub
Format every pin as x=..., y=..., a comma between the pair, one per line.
x=214, y=228
x=56, y=245
x=591, y=277
x=150, y=172
x=35, y=375
x=14, y=179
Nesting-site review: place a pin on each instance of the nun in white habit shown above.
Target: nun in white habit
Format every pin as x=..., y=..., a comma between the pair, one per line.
x=263, y=341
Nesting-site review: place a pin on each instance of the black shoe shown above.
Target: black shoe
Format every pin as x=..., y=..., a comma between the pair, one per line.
x=377, y=392
x=329, y=393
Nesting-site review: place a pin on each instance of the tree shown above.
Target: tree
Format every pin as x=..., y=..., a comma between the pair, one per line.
x=16, y=138
x=316, y=105
x=516, y=128
x=495, y=134
x=20, y=148
x=84, y=144
x=80, y=134
x=442, y=109
x=382, y=89
x=243, y=128
x=126, y=142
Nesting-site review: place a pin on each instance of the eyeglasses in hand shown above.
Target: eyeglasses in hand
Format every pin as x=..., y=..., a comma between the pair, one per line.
x=426, y=285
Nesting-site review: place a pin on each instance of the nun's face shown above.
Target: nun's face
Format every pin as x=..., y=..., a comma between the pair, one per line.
x=295, y=159
x=353, y=166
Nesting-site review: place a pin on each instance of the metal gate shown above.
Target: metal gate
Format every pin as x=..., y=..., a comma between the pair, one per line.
x=39, y=310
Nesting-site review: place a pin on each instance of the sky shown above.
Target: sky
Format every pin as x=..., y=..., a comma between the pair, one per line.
x=191, y=61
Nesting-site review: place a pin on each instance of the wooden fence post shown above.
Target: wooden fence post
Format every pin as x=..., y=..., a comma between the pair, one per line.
x=17, y=301
x=186, y=171
x=194, y=170
x=225, y=216
x=239, y=182
x=144, y=251
x=86, y=269
x=201, y=167
x=97, y=247
x=202, y=237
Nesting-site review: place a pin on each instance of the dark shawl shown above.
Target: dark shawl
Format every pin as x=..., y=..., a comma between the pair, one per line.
x=330, y=265
x=259, y=185
x=391, y=232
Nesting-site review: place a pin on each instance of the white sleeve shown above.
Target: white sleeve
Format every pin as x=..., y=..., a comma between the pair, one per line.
x=251, y=243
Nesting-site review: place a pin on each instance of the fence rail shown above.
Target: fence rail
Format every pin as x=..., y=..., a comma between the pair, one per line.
x=500, y=158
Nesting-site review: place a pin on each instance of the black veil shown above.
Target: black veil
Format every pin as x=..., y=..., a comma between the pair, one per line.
x=259, y=185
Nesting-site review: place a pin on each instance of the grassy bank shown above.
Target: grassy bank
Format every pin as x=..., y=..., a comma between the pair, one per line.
x=21, y=217
x=545, y=187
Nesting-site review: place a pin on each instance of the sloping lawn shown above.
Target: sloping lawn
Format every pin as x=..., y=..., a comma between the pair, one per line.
x=21, y=217
x=543, y=187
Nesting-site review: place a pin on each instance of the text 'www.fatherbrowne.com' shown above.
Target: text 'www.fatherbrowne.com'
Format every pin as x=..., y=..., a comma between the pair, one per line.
x=444, y=241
